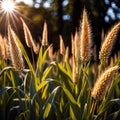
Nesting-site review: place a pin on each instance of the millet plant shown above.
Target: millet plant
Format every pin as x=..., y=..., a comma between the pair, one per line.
x=58, y=86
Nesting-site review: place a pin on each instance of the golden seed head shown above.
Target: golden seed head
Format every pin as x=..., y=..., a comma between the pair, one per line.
x=103, y=83
x=3, y=48
x=75, y=71
x=15, y=52
x=6, y=52
x=50, y=52
x=45, y=35
x=29, y=39
x=66, y=54
x=1, y=56
x=73, y=45
x=36, y=47
x=27, y=33
x=76, y=45
x=75, y=56
x=108, y=44
x=62, y=46
x=85, y=38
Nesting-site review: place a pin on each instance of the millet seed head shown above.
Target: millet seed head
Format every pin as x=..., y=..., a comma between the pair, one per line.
x=103, y=83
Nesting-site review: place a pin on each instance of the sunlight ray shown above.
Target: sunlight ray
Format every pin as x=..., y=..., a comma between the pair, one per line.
x=9, y=11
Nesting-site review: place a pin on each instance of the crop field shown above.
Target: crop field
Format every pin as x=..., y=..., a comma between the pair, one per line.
x=69, y=84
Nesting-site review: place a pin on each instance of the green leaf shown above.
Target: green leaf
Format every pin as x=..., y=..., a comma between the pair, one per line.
x=47, y=107
x=41, y=57
x=41, y=85
x=66, y=77
x=5, y=69
x=68, y=67
x=81, y=97
x=32, y=88
x=76, y=113
x=46, y=72
x=87, y=108
x=114, y=115
x=45, y=92
x=106, y=106
x=45, y=53
x=4, y=90
x=117, y=62
x=56, y=82
x=39, y=61
x=64, y=71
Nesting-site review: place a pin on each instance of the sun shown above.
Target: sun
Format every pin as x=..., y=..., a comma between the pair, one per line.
x=10, y=14
x=8, y=6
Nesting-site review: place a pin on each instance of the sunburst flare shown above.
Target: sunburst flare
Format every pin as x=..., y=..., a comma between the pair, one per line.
x=8, y=6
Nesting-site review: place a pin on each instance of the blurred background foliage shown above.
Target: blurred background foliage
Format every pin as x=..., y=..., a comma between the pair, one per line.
x=64, y=17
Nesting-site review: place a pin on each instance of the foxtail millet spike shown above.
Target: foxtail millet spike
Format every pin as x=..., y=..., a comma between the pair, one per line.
x=6, y=52
x=66, y=53
x=29, y=39
x=85, y=38
x=15, y=52
x=103, y=83
x=50, y=52
x=4, y=48
x=27, y=33
x=45, y=35
x=76, y=45
x=108, y=44
x=74, y=71
x=1, y=48
x=72, y=45
x=1, y=56
x=62, y=46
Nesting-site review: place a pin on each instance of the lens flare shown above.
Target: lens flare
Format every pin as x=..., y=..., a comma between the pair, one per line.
x=8, y=6
x=10, y=13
